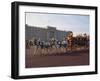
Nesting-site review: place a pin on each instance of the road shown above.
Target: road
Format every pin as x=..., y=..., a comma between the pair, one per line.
x=67, y=59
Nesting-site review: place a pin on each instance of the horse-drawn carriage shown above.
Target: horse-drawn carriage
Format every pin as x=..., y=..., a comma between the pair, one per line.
x=80, y=41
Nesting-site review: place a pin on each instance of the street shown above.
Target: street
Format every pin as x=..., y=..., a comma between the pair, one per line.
x=75, y=58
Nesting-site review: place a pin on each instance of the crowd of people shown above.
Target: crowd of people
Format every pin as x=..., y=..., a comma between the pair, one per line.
x=54, y=46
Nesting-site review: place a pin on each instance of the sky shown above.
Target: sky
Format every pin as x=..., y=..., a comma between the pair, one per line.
x=68, y=22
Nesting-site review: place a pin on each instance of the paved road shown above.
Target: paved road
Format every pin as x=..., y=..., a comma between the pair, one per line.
x=67, y=59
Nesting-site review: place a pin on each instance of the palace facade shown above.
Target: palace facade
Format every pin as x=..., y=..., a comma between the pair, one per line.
x=44, y=34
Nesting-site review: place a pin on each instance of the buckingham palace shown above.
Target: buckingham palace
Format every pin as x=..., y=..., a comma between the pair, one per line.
x=44, y=34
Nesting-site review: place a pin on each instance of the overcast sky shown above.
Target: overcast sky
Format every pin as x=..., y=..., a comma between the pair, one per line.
x=75, y=23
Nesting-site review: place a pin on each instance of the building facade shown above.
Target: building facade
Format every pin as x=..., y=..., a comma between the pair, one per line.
x=44, y=34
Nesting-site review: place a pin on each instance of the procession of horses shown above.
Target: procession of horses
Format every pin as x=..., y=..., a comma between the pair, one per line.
x=53, y=46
